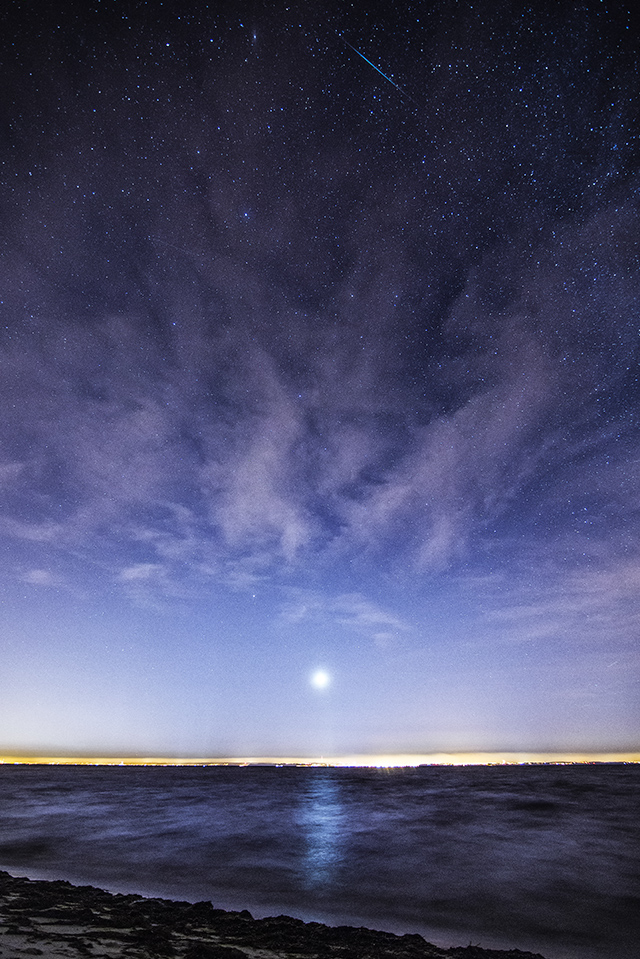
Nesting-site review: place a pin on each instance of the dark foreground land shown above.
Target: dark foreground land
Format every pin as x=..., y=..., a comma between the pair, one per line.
x=57, y=920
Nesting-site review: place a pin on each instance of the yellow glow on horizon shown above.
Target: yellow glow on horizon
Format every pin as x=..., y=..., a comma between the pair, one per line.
x=380, y=761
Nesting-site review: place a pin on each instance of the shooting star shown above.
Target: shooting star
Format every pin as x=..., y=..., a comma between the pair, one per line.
x=399, y=89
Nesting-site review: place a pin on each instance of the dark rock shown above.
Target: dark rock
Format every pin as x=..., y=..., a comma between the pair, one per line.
x=181, y=930
x=155, y=941
x=203, y=950
x=200, y=910
x=477, y=952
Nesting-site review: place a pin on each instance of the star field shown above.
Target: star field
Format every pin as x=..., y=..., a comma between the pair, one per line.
x=319, y=351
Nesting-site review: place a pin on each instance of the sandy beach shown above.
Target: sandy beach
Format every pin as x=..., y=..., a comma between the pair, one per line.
x=58, y=920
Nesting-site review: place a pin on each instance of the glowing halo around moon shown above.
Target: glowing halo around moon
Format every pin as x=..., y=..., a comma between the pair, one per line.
x=320, y=679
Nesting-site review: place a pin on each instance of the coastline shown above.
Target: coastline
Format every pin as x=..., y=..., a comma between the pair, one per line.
x=57, y=920
x=388, y=761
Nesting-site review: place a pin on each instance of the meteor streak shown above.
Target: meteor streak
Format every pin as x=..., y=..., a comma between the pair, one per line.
x=400, y=90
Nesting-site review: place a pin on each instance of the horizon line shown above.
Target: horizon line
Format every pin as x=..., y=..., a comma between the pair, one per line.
x=386, y=761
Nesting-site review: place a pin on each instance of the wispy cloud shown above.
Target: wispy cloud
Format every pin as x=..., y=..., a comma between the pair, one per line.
x=255, y=487
x=40, y=577
x=239, y=414
x=355, y=612
x=572, y=605
x=461, y=471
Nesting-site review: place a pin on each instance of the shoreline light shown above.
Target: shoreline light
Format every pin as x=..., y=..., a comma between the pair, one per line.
x=372, y=761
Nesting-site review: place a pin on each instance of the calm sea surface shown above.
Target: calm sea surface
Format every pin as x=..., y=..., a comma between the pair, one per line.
x=545, y=858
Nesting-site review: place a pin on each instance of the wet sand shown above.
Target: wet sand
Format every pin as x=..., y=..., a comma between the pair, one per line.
x=57, y=920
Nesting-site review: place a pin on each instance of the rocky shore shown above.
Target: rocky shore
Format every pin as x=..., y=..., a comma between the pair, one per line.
x=57, y=920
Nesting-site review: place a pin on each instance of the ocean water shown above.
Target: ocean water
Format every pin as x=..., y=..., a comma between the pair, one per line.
x=543, y=858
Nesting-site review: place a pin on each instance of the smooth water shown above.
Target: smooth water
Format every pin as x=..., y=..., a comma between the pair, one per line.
x=545, y=858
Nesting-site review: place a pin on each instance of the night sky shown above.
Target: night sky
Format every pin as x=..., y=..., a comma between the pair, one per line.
x=317, y=362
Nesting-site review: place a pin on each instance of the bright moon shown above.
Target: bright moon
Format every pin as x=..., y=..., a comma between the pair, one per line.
x=320, y=679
